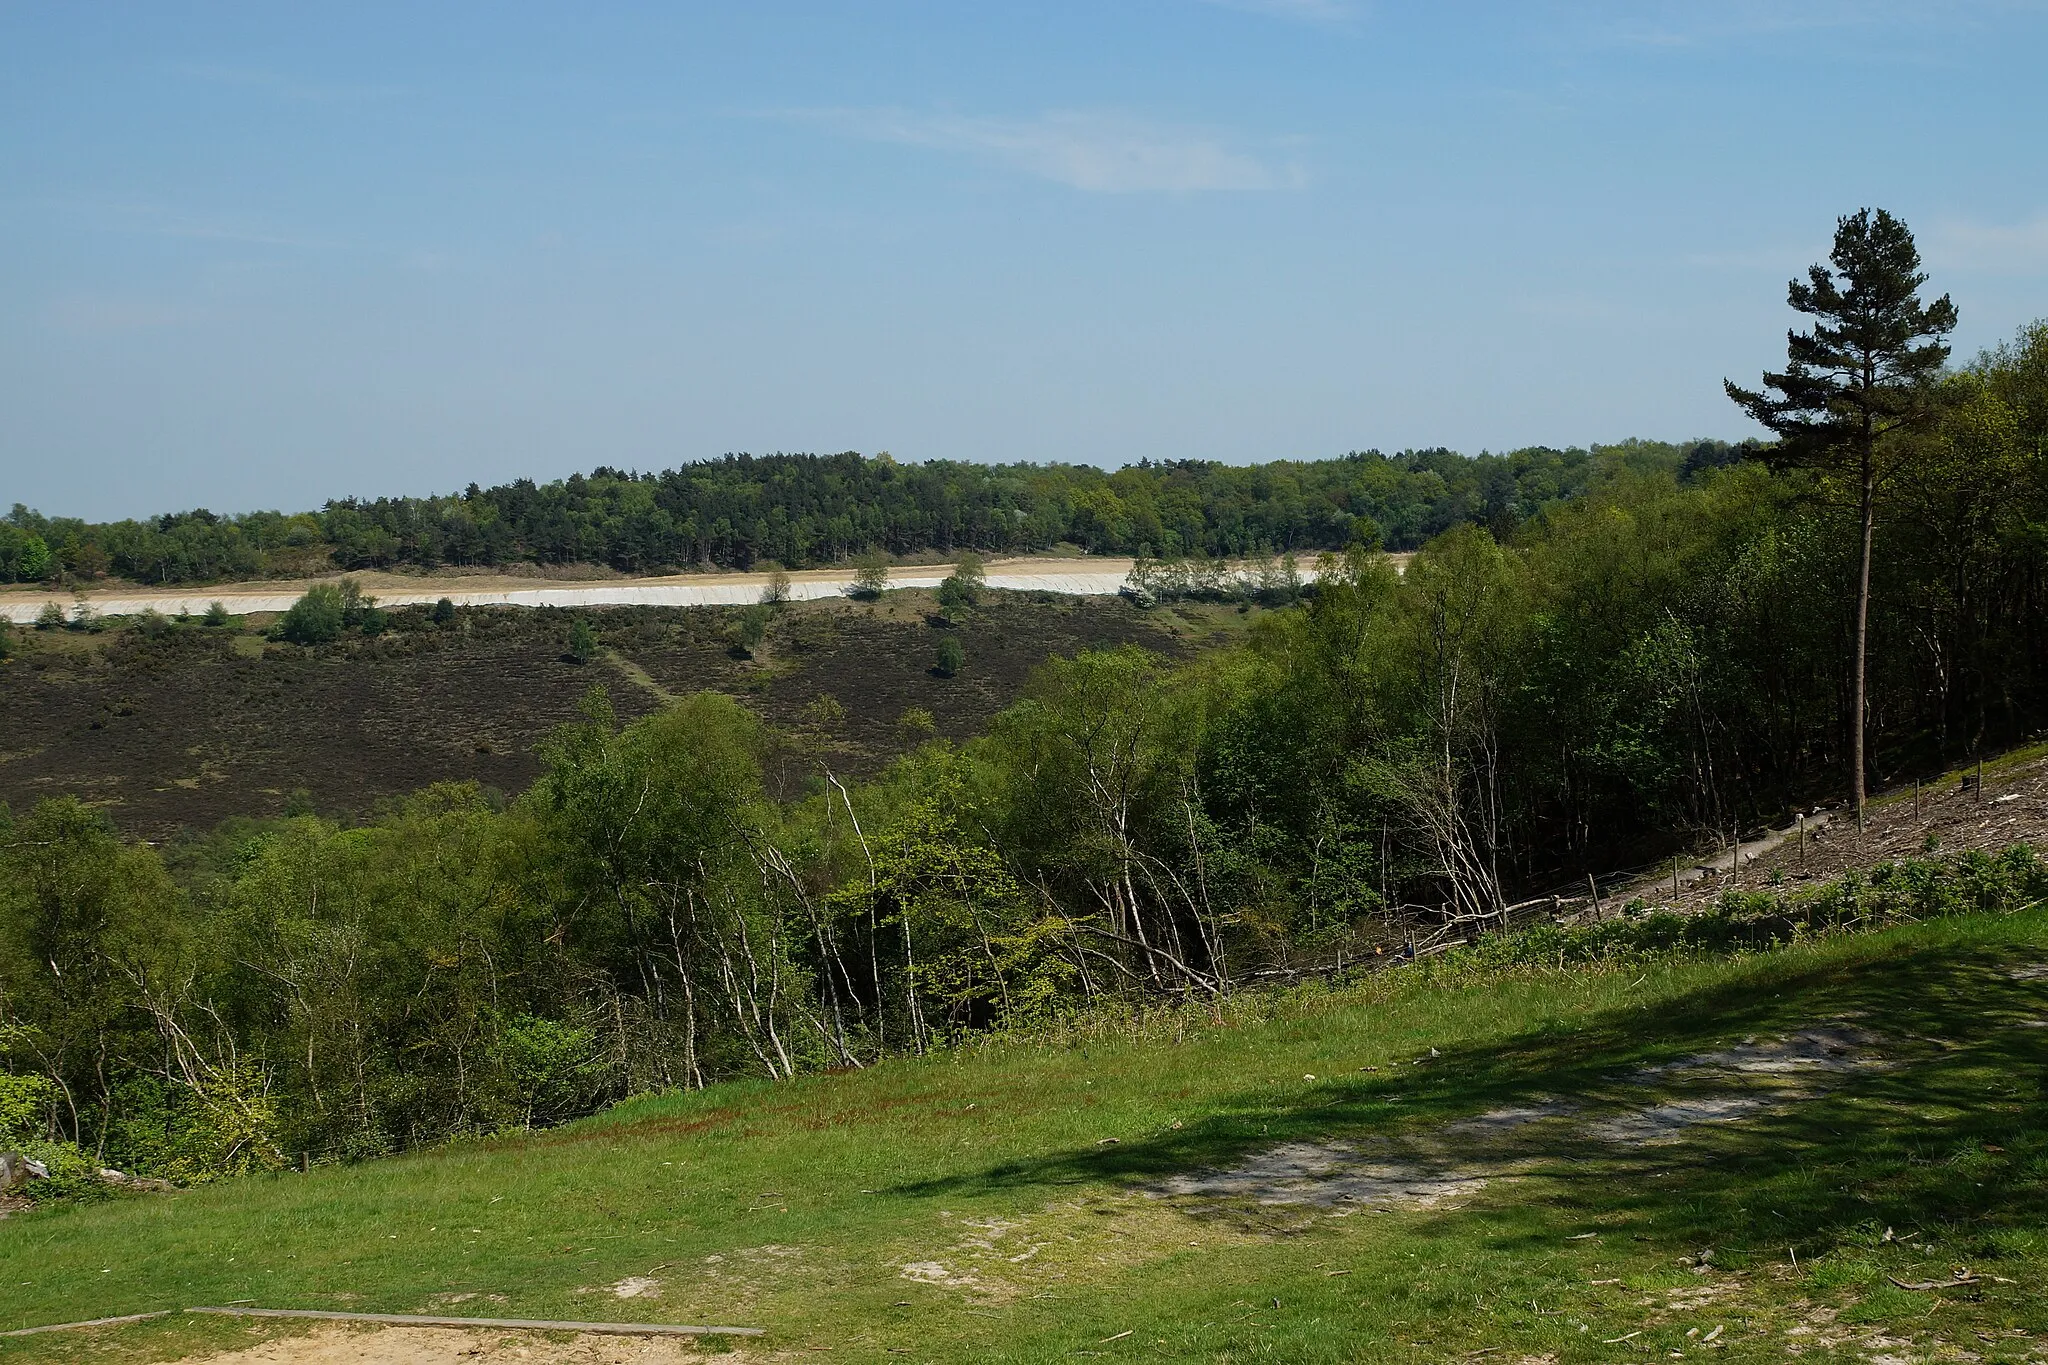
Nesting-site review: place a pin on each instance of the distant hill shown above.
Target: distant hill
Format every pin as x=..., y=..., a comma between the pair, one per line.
x=803, y=510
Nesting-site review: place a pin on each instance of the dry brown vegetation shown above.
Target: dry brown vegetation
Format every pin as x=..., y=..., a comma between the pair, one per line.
x=193, y=726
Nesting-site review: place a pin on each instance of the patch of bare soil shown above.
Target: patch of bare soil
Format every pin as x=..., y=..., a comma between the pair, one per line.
x=1948, y=816
x=1462, y=1157
x=338, y=1345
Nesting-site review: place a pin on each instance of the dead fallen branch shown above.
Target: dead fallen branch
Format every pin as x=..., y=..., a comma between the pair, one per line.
x=1922, y=1285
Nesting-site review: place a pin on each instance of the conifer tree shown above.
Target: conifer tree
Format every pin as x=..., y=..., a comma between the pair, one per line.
x=1853, y=388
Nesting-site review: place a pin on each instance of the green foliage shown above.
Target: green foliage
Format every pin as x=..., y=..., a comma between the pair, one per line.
x=74, y=1175
x=26, y=1101
x=216, y=614
x=582, y=641
x=806, y=510
x=24, y=556
x=443, y=612
x=316, y=618
x=1536, y=697
x=960, y=591
x=553, y=1071
x=1867, y=368
x=749, y=626
x=1910, y=891
x=870, y=576
x=952, y=657
x=51, y=617
x=775, y=592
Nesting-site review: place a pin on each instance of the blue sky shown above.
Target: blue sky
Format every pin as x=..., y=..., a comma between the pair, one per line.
x=264, y=255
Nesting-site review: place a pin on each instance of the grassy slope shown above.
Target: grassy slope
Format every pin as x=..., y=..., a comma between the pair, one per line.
x=794, y=1207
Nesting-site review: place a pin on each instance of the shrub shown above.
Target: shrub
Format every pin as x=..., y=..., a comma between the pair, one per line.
x=961, y=590
x=775, y=591
x=1748, y=921
x=582, y=641
x=73, y=1174
x=952, y=657
x=870, y=577
x=316, y=618
x=216, y=614
x=555, y=1070
x=24, y=1105
x=748, y=629
x=50, y=617
x=37, y=562
x=443, y=612
x=231, y=1128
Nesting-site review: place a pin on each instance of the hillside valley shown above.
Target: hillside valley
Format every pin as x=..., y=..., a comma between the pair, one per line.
x=188, y=726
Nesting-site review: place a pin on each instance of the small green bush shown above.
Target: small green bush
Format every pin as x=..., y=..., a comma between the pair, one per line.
x=1751, y=921
x=961, y=590
x=582, y=641
x=216, y=614
x=24, y=1105
x=555, y=1070
x=73, y=1174
x=51, y=617
x=952, y=657
x=870, y=577
x=316, y=618
x=749, y=628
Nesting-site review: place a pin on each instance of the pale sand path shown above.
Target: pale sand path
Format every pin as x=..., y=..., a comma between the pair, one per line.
x=447, y=1346
x=1078, y=577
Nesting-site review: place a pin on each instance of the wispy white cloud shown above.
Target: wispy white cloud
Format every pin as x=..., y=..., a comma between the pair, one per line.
x=1103, y=153
x=1302, y=11
x=2010, y=248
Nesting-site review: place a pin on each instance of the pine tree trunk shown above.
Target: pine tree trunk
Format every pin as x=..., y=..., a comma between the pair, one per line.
x=1859, y=707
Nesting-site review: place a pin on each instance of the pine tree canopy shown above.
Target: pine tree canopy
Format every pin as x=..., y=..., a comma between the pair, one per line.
x=1866, y=367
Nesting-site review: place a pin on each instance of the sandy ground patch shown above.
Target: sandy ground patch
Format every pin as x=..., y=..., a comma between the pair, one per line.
x=337, y=1345
x=1724, y=1085
x=1326, y=1174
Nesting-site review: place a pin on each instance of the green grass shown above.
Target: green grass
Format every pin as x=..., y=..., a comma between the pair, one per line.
x=795, y=1207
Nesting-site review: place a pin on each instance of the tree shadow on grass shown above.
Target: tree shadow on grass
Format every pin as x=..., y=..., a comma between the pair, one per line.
x=1951, y=1130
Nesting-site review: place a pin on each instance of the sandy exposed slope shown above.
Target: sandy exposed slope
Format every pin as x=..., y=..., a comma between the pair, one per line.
x=1083, y=577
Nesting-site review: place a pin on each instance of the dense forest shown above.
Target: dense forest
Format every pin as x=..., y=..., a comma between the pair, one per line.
x=1665, y=656
x=803, y=510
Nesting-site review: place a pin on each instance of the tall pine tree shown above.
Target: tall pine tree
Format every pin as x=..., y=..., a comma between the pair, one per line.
x=1854, y=387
